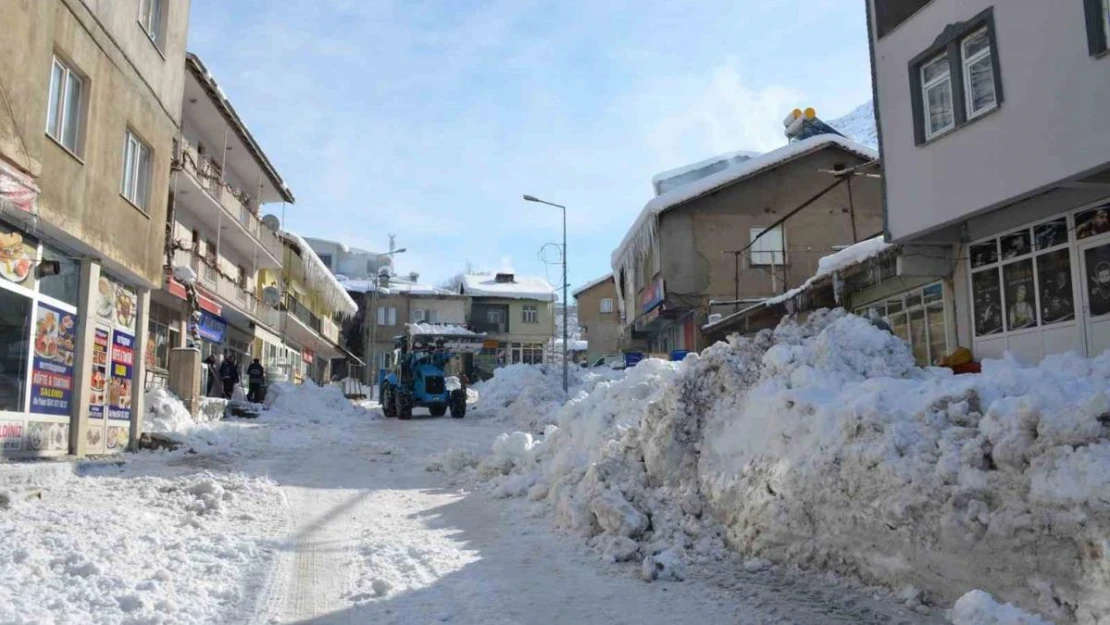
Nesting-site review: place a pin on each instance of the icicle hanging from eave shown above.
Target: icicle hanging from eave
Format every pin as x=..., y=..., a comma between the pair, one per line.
x=318, y=277
x=630, y=256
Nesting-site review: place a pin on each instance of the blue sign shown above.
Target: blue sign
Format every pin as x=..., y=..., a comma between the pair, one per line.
x=679, y=354
x=631, y=358
x=52, y=372
x=211, y=328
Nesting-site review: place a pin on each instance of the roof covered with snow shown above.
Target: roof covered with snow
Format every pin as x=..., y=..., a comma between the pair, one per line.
x=439, y=328
x=592, y=283
x=319, y=277
x=396, y=286
x=522, y=287
x=667, y=180
x=851, y=255
x=640, y=233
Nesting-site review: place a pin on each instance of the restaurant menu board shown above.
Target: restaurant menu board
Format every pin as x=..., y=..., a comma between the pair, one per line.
x=116, y=304
x=52, y=374
x=98, y=381
x=119, y=386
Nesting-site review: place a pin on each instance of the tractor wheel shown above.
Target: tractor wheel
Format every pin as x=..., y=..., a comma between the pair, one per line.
x=403, y=402
x=458, y=403
x=386, y=398
x=438, y=410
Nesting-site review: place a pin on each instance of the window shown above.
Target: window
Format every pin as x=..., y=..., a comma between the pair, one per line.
x=326, y=259
x=978, y=74
x=918, y=318
x=1022, y=279
x=957, y=79
x=387, y=316
x=1098, y=26
x=532, y=354
x=769, y=249
x=162, y=336
x=530, y=314
x=15, y=333
x=936, y=86
x=606, y=305
x=417, y=315
x=151, y=18
x=425, y=316
x=63, y=286
x=63, y=115
x=431, y=316
x=135, y=182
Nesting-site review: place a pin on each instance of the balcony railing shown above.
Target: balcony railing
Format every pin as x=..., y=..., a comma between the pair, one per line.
x=300, y=311
x=232, y=291
x=235, y=203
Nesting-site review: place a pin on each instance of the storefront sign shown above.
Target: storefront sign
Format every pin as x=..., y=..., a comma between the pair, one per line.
x=652, y=295
x=211, y=328
x=17, y=257
x=647, y=318
x=17, y=189
x=308, y=356
x=11, y=435
x=47, y=436
x=116, y=304
x=119, y=389
x=98, y=381
x=631, y=358
x=52, y=373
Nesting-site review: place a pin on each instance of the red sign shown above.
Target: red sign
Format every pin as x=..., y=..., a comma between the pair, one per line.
x=17, y=189
x=308, y=356
x=652, y=295
x=206, y=303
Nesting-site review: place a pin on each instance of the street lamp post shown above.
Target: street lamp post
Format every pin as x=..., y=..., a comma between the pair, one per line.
x=373, y=312
x=566, y=304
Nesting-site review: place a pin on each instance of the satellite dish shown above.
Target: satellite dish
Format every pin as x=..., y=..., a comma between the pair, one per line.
x=271, y=295
x=271, y=222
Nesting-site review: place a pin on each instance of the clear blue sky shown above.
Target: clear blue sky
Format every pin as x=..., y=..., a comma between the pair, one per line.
x=429, y=119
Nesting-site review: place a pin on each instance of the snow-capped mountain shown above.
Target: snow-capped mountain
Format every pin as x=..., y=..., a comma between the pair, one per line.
x=859, y=125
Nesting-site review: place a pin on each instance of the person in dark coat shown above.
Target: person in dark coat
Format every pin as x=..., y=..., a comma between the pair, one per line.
x=215, y=386
x=256, y=373
x=229, y=374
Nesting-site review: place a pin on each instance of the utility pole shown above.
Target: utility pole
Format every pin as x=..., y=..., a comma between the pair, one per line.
x=736, y=278
x=566, y=346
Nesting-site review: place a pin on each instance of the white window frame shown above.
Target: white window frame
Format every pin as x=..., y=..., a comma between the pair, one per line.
x=417, y=315
x=770, y=249
x=967, y=61
x=153, y=20
x=906, y=309
x=946, y=76
x=58, y=106
x=606, y=305
x=135, y=181
x=530, y=313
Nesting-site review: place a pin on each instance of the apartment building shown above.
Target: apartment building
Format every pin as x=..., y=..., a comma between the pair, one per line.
x=221, y=181
x=91, y=104
x=311, y=307
x=350, y=262
x=386, y=306
x=598, y=317
x=997, y=165
x=515, y=313
x=745, y=233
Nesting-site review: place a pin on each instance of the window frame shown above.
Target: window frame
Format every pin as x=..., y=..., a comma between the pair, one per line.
x=605, y=307
x=967, y=62
x=926, y=86
x=133, y=172
x=62, y=99
x=525, y=317
x=418, y=315
x=1098, y=26
x=906, y=308
x=156, y=32
x=950, y=42
x=757, y=246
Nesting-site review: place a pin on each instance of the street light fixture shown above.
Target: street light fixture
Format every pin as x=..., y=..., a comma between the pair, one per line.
x=373, y=312
x=566, y=304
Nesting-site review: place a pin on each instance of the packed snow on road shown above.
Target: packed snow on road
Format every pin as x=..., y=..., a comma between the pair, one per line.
x=810, y=475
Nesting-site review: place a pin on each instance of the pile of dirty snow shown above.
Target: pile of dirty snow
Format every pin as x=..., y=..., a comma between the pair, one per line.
x=528, y=396
x=821, y=444
x=322, y=402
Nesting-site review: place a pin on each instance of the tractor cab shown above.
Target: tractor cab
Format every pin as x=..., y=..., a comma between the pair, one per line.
x=417, y=377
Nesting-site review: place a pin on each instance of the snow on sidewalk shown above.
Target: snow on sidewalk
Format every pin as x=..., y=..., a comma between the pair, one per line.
x=823, y=445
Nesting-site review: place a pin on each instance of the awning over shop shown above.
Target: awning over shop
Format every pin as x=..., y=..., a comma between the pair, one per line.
x=207, y=303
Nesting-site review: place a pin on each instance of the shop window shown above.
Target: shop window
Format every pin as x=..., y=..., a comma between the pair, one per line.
x=64, y=286
x=15, y=333
x=1022, y=279
x=918, y=318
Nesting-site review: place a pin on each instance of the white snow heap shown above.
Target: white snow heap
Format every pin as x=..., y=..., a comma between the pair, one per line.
x=822, y=445
x=521, y=287
x=979, y=608
x=851, y=255
x=638, y=240
x=672, y=178
x=528, y=396
x=319, y=277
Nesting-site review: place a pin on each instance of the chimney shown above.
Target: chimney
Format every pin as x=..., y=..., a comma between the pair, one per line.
x=503, y=278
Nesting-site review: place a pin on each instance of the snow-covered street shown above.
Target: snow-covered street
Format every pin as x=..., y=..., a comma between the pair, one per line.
x=324, y=513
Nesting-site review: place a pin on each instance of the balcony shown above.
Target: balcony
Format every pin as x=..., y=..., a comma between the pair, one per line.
x=233, y=293
x=239, y=211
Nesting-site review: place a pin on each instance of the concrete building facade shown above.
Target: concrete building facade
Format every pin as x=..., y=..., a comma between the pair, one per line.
x=599, y=318
x=92, y=94
x=517, y=315
x=997, y=165
x=696, y=249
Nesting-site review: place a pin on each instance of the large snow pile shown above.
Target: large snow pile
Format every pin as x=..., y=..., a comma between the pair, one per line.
x=321, y=402
x=979, y=608
x=166, y=414
x=822, y=444
x=528, y=396
x=138, y=549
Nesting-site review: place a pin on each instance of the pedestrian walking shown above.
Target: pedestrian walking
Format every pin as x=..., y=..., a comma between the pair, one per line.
x=229, y=375
x=256, y=373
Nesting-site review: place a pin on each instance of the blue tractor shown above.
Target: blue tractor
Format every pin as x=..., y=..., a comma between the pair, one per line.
x=417, y=376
